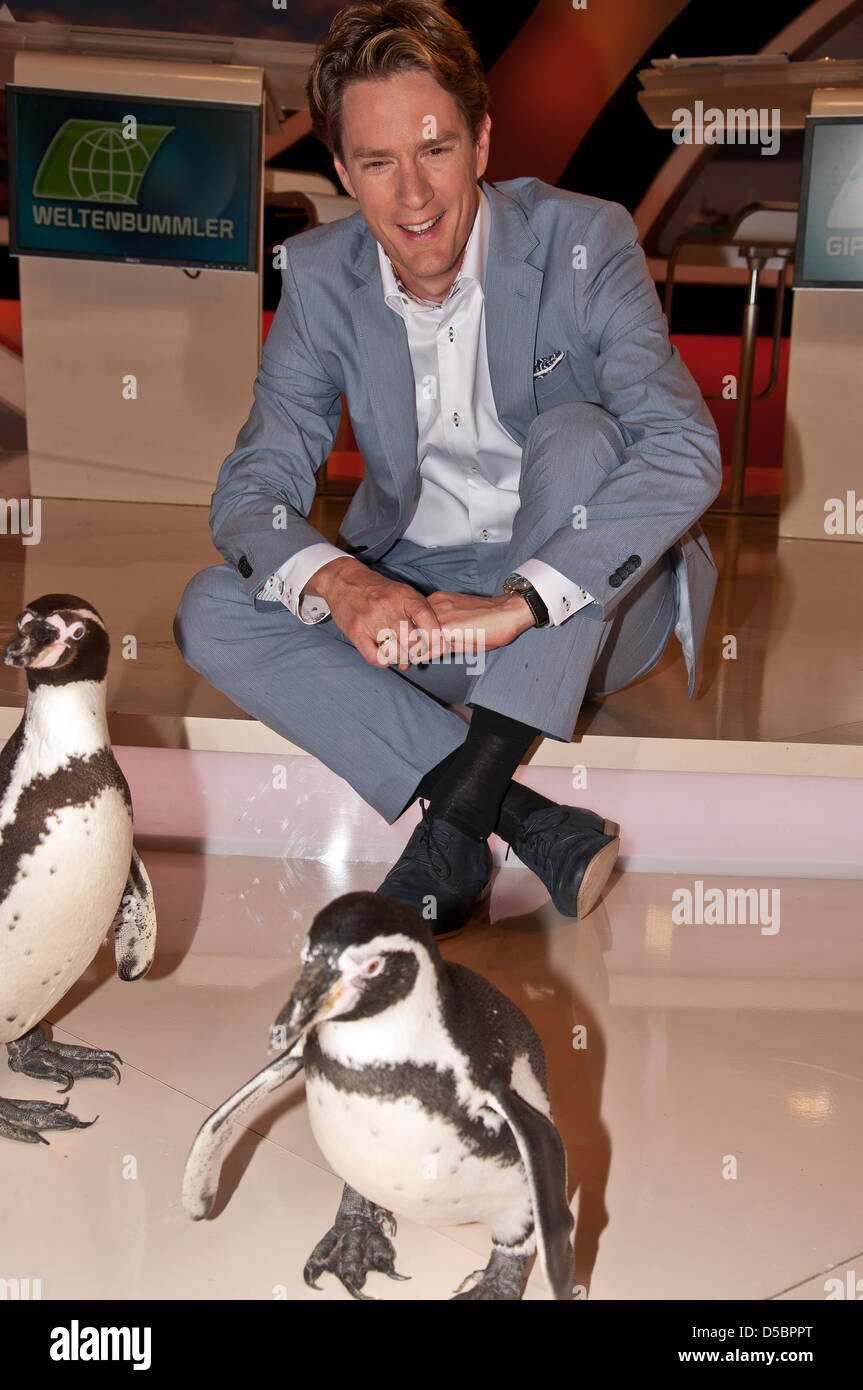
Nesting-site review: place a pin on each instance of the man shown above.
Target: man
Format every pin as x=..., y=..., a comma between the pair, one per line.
x=534, y=454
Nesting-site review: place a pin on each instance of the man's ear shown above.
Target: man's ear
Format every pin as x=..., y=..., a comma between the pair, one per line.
x=344, y=176
x=481, y=147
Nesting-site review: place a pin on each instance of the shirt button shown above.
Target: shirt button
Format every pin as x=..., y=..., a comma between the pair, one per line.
x=451, y=334
x=566, y=605
x=474, y=468
x=484, y=535
x=455, y=417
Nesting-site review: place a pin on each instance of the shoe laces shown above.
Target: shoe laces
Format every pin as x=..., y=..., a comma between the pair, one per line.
x=542, y=841
x=435, y=850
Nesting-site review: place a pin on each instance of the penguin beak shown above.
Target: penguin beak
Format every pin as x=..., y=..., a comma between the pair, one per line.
x=37, y=645
x=320, y=993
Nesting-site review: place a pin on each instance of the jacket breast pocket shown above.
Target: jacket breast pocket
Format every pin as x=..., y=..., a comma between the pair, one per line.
x=556, y=387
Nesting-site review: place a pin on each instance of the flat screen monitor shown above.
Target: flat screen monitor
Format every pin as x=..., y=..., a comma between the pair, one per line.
x=830, y=225
x=134, y=179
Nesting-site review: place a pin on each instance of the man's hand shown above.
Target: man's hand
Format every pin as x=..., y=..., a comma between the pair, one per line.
x=495, y=622
x=365, y=606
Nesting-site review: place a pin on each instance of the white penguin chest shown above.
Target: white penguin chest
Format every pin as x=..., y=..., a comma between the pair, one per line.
x=397, y=1152
x=60, y=906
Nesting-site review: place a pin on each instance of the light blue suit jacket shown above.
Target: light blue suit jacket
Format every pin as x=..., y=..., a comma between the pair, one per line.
x=333, y=334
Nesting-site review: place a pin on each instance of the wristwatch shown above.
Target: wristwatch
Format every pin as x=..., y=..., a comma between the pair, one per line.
x=517, y=584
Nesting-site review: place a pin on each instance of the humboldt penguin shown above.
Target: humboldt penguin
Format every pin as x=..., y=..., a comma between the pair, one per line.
x=69, y=873
x=427, y=1093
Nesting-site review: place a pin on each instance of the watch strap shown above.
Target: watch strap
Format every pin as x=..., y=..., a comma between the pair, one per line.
x=518, y=584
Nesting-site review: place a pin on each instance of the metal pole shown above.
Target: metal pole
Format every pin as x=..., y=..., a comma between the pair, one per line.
x=744, y=383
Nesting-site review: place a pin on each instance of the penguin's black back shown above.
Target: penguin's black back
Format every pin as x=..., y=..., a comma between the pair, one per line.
x=487, y=1027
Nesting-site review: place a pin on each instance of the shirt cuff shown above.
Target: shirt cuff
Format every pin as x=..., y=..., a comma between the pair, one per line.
x=560, y=595
x=287, y=582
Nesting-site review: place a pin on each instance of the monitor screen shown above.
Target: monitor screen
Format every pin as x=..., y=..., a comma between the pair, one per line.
x=830, y=226
x=133, y=179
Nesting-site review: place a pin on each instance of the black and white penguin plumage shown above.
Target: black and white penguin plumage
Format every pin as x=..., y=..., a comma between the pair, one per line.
x=68, y=869
x=427, y=1092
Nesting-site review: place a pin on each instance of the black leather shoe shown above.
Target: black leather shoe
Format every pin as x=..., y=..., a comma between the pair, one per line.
x=572, y=851
x=441, y=863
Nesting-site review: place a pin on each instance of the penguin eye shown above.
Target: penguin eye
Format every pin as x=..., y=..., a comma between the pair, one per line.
x=76, y=631
x=372, y=967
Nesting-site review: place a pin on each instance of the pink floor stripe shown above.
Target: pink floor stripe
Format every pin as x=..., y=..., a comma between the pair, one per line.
x=294, y=807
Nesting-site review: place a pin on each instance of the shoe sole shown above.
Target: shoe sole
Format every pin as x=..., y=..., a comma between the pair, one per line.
x=598, y=872
x=481, y=900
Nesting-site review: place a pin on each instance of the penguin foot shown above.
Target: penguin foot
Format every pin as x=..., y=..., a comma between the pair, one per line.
x=23, y=1119
x=35, y=1056
x=502, y=1279
x=354, y=1246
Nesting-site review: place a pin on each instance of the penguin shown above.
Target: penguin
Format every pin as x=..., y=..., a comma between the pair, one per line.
x=427, y=1093
x=69, y=872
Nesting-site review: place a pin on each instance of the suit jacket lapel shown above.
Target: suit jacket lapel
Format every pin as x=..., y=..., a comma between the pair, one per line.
x=512, y=291
x=384, y=358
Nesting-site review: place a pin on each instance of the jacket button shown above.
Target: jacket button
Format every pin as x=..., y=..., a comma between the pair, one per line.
x=615, y=580
x=244, y=567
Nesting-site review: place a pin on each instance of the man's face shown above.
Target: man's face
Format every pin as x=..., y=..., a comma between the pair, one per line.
x=409, y=160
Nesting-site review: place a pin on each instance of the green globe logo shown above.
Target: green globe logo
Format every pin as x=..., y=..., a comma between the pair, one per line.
x=92, y=162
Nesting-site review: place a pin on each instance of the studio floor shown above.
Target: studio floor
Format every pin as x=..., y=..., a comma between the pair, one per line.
x=713, y=1121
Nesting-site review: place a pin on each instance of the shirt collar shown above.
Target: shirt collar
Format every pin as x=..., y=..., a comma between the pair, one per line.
x=472, y=267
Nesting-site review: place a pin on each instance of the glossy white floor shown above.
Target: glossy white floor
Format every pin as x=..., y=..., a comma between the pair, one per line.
x=713, y=1122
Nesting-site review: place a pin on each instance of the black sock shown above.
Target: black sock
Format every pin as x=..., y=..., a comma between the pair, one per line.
x=469, y=790
x=519, y=803
x=434, y=774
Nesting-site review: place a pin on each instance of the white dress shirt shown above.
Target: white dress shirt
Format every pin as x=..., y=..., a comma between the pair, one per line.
x=469, y=465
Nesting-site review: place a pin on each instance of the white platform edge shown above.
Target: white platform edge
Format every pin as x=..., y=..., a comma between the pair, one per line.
x=782, y=759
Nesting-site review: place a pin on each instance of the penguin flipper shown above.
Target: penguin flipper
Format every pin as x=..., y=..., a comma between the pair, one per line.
x=201, y=1176
x=544, y=1158
x=135, y=923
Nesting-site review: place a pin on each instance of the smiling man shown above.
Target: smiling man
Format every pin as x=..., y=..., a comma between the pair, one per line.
x=536, y=457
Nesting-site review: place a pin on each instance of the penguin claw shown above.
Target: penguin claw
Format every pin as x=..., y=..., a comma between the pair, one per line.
x=352, y=1249
x=355, y=1292
x=64, y=1063
x=469, y=1281
x=502, y=1279
x=23, y=1119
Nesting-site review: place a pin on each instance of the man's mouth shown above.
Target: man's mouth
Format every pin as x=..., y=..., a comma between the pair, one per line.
x=418, y=229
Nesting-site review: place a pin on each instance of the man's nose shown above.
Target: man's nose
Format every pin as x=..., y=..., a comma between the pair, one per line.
x=413, y=188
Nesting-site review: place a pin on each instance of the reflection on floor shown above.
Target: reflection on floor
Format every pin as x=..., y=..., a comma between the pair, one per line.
x=792, y=607
x=712, y=1121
